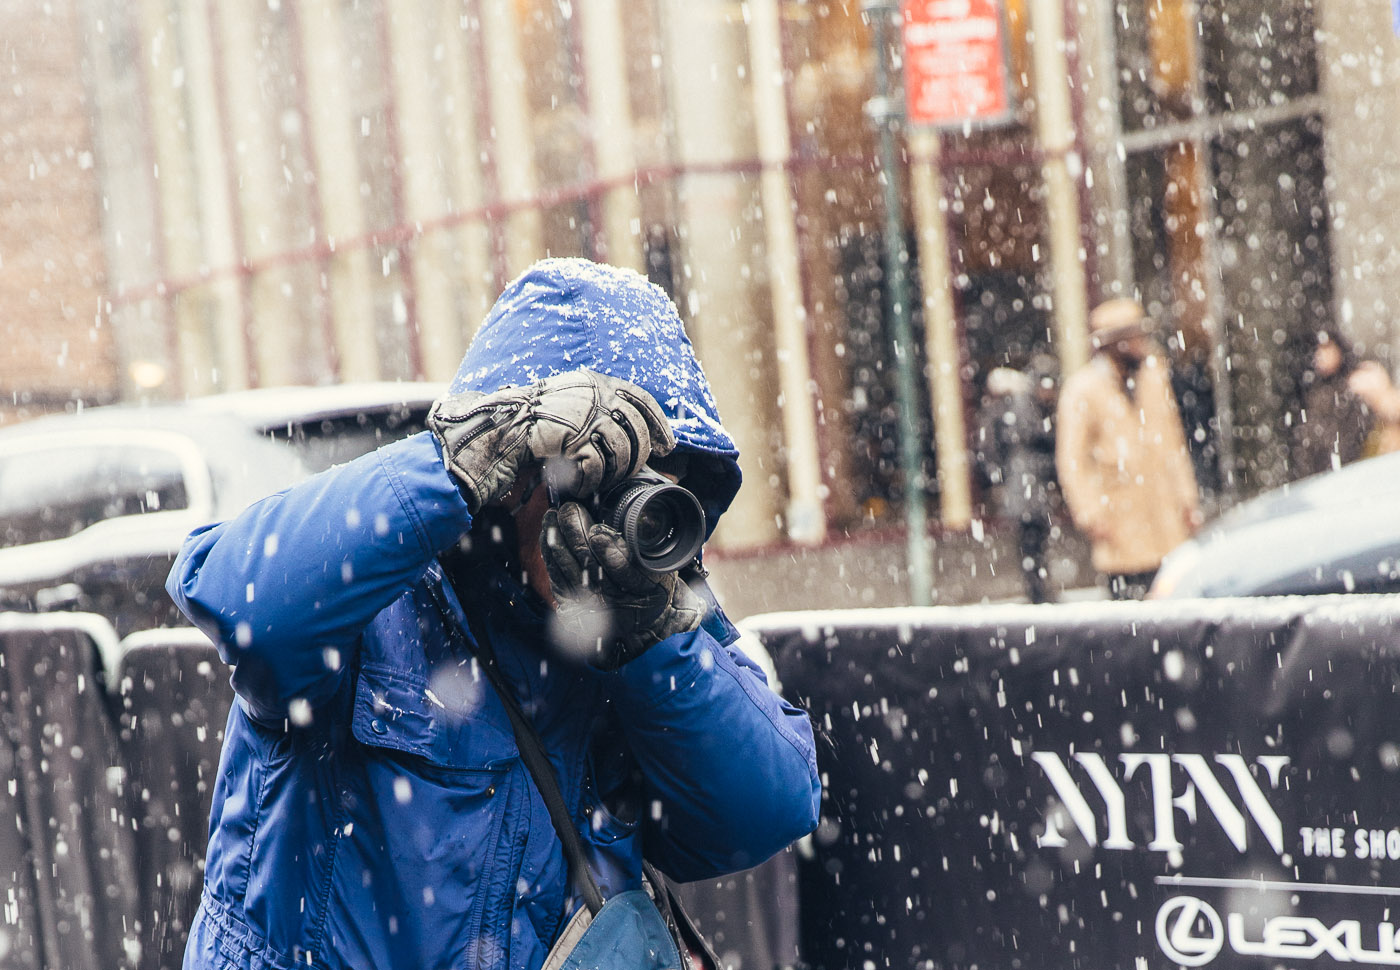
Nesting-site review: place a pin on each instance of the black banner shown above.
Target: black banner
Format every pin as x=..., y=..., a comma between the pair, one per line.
x=1108, y=785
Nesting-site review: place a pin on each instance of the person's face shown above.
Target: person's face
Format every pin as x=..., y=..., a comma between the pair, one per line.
x=530, y=500
x=1327, y=359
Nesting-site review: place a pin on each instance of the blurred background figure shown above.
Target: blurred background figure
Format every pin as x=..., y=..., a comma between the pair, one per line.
x=1016, y=451
x=1121, y=454
x=1194, y=387
x=1335, y=419
x=1351, y=409
x=1370, y=382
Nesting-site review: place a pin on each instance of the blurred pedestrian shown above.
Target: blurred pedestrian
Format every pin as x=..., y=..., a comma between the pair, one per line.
x=1121, y=454
x=1017, y=451
x=1370, y=382
x=1194, y=387
x=1335, y=420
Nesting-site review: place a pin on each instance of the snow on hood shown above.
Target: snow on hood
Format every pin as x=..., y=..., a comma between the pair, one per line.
x=562, y=315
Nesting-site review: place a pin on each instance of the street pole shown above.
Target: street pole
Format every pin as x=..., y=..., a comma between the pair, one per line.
x=940, y=330
x=885, y=111
x=1055, y=129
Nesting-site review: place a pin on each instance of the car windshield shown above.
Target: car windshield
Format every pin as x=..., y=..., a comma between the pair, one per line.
x=53, y=493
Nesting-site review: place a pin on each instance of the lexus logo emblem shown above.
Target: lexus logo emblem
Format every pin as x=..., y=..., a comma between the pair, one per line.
x=1189, y=931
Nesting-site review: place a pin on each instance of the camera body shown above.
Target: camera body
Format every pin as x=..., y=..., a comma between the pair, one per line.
x=662, y=523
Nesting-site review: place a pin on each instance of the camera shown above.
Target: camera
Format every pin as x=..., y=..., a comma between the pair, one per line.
x=661, y=522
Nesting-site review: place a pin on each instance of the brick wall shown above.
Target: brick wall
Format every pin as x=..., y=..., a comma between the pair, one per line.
x=53, y=350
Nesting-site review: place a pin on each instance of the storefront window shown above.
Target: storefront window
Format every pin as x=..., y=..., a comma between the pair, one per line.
x=991, y=196
x=1275, y=268
x=999, y=257
x=1257, y=53
x=1228, y=212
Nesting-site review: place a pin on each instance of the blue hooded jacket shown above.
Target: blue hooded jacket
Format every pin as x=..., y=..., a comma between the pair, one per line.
x=371, y=809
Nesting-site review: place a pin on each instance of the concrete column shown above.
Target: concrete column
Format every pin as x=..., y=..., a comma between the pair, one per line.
x=338, y=187
x=940, y=331
x=512, y=137
x=253, y=123
x=131, y=226
x=419, y=85
x=177, y=185
x=1105, y=164
x=702, y=72
x=610, y=113
x=472, y=237
x=223, y=294
x=1055, y=130
x=1359, y=61
x=805, y=519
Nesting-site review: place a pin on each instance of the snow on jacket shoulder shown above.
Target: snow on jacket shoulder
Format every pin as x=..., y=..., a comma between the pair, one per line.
x=371, y=810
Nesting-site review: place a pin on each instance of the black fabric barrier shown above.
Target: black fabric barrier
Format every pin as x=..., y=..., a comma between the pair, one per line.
x=1102, y=786
x=67, y=851
x=175, y=696
x=750, y=917
x=106, y=779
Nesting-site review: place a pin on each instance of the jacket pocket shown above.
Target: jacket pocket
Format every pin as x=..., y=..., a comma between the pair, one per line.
x=460, y=727
x=426, y=833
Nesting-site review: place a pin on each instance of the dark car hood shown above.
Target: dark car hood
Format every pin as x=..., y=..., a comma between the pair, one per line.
x=1335, y=532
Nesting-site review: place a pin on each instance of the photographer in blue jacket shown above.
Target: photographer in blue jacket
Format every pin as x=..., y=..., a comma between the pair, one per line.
x=371, y=808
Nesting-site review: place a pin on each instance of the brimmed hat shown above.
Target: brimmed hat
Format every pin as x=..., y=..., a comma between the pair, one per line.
x=1116, y=320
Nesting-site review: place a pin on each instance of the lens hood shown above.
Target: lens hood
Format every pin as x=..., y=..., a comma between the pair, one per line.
x=662, y=523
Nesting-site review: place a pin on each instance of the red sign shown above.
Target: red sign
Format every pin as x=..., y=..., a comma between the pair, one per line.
x=954, y=62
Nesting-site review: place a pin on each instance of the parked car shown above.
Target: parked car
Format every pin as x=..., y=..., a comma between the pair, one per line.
x=94, y=505
x=1338, y=532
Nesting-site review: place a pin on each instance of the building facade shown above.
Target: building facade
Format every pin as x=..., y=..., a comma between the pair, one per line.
x=56, y=345
x=308, y=191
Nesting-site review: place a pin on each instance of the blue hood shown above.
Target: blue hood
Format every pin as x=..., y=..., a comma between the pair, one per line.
x=562, y=315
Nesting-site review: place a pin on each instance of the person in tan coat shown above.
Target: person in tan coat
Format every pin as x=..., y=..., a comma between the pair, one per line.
x=1121, y=455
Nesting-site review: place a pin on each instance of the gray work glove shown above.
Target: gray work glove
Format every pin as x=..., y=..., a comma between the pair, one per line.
x=587, y=431
x=608, y=608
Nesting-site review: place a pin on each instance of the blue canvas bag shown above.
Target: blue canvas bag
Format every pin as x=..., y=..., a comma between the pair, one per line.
x=628, y=932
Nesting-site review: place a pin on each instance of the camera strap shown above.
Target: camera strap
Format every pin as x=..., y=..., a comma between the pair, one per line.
x=536, y=762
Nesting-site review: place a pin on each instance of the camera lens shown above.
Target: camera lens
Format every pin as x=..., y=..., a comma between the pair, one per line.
x=664, y=526
x=656, y=527
x=662, y=523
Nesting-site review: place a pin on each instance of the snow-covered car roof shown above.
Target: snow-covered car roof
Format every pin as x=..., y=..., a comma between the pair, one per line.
x=106, y=495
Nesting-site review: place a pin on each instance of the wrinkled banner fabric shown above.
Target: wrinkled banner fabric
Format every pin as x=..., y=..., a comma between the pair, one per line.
x=1211, y=784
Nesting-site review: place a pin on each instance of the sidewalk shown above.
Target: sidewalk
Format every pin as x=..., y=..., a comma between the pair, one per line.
x=871, y=571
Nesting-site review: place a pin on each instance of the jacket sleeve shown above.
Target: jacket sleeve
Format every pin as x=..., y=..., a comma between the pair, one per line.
x=285, y=589
x=731, y=768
